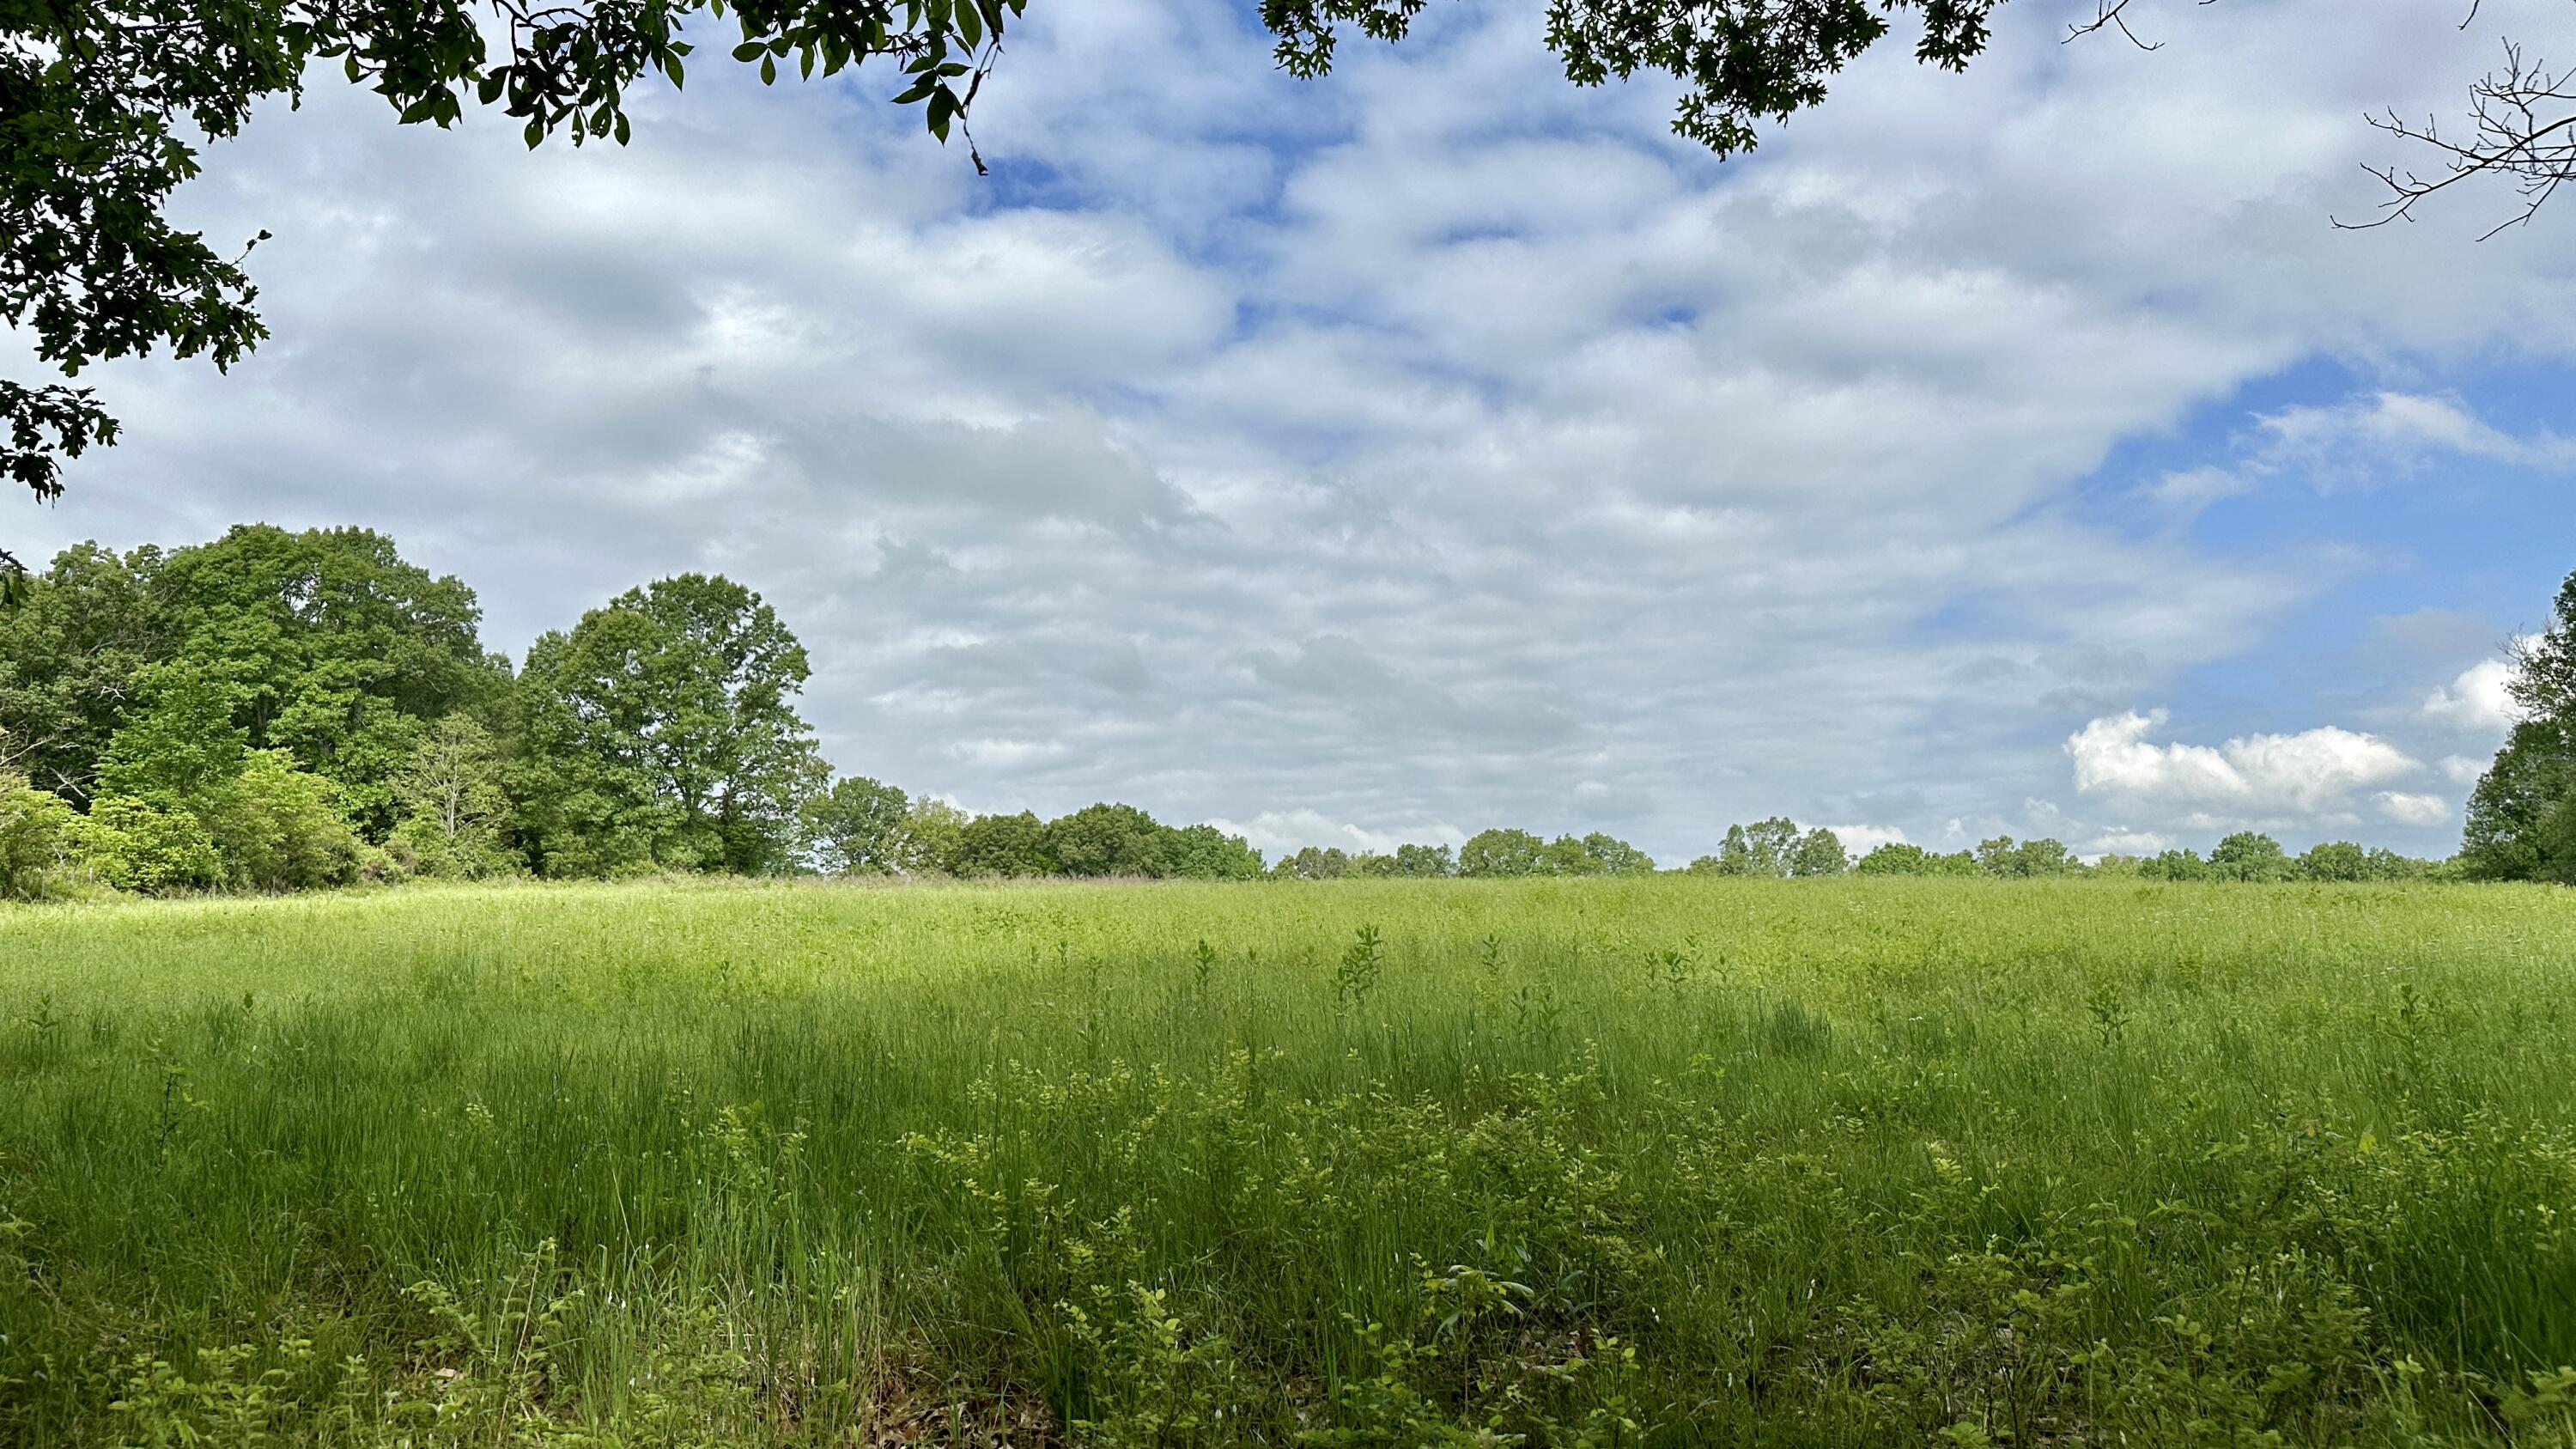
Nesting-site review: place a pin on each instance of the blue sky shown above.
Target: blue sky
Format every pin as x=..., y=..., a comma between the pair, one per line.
x=1437, y=446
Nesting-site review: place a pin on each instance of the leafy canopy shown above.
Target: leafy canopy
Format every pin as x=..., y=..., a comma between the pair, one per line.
x=856, y=827
x=325, y=642
x=2522, y=815
x=662, y=733
x=1741, y=62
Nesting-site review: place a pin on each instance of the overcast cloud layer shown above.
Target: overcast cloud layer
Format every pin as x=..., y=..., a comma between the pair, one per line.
x=1437, y=446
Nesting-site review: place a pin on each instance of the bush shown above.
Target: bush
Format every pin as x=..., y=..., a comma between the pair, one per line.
x=278, y=828
x=33, y=828
x=134, y=845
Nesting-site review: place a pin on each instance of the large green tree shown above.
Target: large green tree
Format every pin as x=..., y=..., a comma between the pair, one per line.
x=1003, y=845
x=926, y=841
x=1501, y=852
x=2522, y=815
x=1203, y=852
x=343, y=651
x=856, y=827
x=1766, y=847
x=71, y=659
x=1106, y=839
x=104, y=105
x=185, y=800
x=662, y=733
x=328, y=642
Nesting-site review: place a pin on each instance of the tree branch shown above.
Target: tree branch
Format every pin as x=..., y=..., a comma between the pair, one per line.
x=2522, y=125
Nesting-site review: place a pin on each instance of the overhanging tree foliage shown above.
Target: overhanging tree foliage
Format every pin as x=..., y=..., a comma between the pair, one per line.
x=104, y=104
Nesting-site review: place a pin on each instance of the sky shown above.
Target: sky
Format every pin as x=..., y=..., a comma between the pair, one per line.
x=1437, y=445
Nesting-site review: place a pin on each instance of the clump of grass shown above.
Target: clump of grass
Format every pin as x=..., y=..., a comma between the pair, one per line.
x=1652, y=1162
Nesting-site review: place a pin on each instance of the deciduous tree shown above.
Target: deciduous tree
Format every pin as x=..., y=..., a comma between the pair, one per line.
x=1003, y=845
x=1104, y=839
x=854, y=827
x=662, y=733
x=1501, y=853
x=2522, y=815
x=455, y=807
x=1819, y=853
x=2250, y=855
x=926, y=842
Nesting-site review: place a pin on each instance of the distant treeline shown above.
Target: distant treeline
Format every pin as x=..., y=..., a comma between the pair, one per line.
x=283, y=711
x=1777, y=847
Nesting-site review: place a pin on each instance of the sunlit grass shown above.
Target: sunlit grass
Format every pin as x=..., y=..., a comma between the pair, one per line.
x=1660, y=1161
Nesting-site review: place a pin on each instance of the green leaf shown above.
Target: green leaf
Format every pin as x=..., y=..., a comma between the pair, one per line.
x=536, y=131
x=769, y=70
x=420, y=110
x=489, y=90
x=751, y=50
x=625, y=132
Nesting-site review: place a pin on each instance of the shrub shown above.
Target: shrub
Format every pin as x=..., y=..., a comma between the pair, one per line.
x=33, y=828
x=134, y=845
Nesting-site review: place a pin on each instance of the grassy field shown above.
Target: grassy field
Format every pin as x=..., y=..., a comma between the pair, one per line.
x=1571, y=1163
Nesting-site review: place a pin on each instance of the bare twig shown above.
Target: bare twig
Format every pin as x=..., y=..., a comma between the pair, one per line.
x=2522, y=125
x=2113, y=15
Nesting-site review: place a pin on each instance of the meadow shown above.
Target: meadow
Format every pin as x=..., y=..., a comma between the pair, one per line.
x=1659, y=1161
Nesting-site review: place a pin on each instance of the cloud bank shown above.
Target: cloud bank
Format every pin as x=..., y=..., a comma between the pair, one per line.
x=1437, y=445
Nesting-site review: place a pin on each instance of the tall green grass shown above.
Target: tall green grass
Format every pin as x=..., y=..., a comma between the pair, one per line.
x=1667, y=1161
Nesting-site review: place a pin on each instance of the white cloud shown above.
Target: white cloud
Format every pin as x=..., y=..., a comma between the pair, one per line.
x=1862, y=839
x=2309, y=772
x=1283, y=832
x=2128, y=842
x=2387, y=432
x=2407, y=809
x=1007, y=755
x=2357, y=443
x=2480, y=700
x=2462, y=770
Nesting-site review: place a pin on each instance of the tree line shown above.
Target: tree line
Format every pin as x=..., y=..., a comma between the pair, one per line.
x=281, y=710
